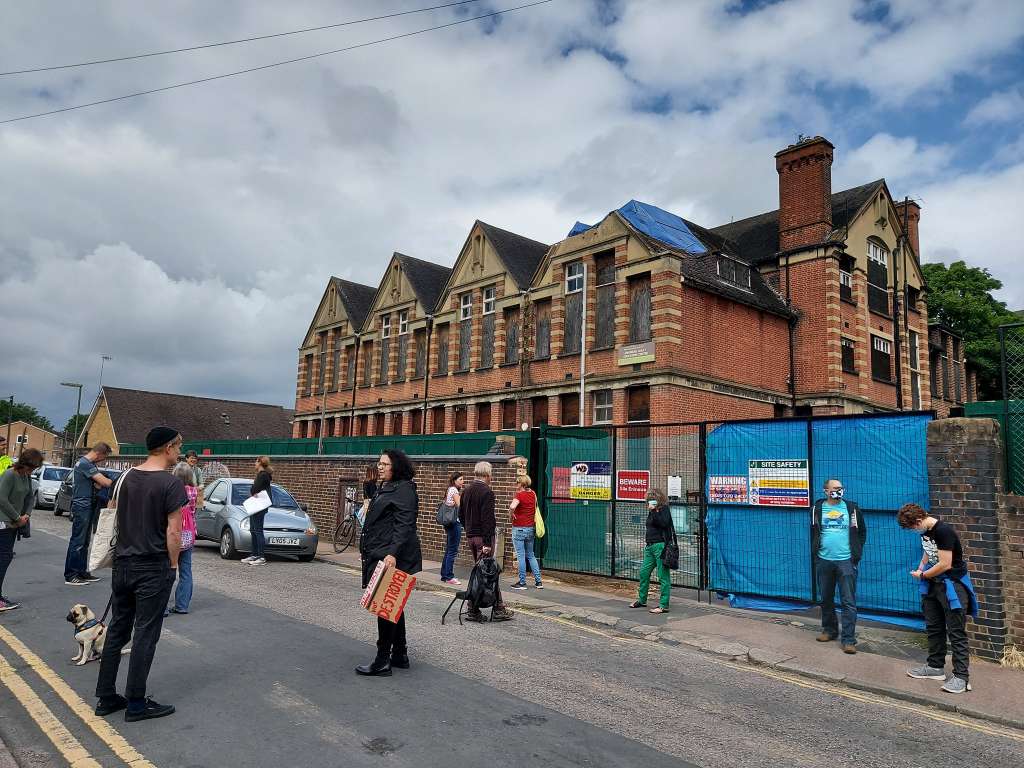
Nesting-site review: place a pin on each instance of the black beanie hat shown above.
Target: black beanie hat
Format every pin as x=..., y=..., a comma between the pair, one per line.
x=158, y=437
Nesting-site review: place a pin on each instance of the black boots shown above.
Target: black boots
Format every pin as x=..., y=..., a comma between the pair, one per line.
x=399, y=659
x=379, y=667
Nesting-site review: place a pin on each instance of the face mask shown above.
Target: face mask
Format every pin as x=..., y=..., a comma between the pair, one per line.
x=836, y=494
x=652, y=503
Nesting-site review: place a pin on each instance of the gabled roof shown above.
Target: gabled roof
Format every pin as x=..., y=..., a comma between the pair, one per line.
x=520, y=255
x=654, y=222
x=133, y=412
x=357, y=298
x=756, y=239
x=426, y=278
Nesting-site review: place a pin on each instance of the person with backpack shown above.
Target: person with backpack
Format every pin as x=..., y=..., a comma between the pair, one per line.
x=453, y=532
x=524, y=509
x=389, y=535
x=476, y=513
x=838, y=534
x=659, y=534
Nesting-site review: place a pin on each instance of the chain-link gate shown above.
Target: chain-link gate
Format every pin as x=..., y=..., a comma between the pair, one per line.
x=1011, y=347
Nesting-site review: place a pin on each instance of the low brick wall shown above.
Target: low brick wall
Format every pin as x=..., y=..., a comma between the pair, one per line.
x=318, y=481
x=1011, y=525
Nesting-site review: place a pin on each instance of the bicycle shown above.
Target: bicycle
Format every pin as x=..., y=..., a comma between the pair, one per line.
x=347, y=530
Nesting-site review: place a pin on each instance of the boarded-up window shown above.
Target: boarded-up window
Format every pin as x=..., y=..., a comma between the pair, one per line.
x=465, y=344
x=346, y=426
x=570, y=404
x=881, y=358
x=378, y=424
x=368, y=364
x=442, y=350
x=512, y=335
x=322, y=375
x=639, y=404
x=483, y=417
x=361, y=425
x=420, y=340
x=303, y=428
x=542, y=319
x=640, y=308
x=385, y=360
x=508, y=414
x=878, y=278
x=437, y=418
x=461, y=418
x=573, y=323
x=307, y=368
x=487, y=341
x=350, y=367
x=403, y=357
x=416, y=422
x=604, y=322
x=396, y=423
x=540, y=411
x=336, y=365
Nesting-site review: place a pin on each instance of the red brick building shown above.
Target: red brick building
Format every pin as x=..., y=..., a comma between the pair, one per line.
x=817, y=307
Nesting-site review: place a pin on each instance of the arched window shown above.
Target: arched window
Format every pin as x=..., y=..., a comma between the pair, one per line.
x=878, y=277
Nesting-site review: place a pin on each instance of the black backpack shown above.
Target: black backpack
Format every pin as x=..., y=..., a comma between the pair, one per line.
x=482, y=589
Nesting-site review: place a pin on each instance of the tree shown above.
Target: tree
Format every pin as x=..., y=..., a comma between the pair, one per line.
x=24, y=412
x=960, y=297
x=75, y=425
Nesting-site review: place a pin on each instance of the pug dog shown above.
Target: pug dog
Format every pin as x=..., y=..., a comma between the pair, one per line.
x=90, y=634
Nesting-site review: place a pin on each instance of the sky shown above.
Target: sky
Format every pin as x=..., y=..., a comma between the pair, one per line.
x=190, y=234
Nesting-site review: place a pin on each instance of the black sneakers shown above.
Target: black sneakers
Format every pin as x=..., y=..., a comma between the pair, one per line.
x=109, y=706
x=151, y=711
x=77, y=581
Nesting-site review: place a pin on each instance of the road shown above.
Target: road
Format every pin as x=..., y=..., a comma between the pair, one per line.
x=261, y=673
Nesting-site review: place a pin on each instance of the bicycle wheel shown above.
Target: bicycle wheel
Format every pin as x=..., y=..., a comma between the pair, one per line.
x=344, y=535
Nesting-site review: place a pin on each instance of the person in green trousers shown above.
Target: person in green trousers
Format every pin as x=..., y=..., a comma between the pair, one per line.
x=659, y=533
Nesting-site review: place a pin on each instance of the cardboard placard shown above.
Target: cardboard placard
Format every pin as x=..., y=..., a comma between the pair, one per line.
x=387, y=592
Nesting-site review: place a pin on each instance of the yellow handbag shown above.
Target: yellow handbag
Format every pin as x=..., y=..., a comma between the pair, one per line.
x=538, y=524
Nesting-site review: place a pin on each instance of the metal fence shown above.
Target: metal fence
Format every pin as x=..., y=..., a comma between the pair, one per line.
x=740, y=494
x=1011, y=345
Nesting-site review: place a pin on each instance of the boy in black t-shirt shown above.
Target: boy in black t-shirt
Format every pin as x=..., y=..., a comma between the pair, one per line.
x=947, y=596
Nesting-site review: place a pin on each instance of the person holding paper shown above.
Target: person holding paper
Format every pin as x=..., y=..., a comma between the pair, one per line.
x=389, y=534
x=264, y=474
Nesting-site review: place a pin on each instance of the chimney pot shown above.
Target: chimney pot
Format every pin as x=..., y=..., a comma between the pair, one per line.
x=805, y=192
x=913, y=217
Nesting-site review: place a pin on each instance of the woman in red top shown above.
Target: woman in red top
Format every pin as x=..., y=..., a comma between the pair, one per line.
x=523, y=508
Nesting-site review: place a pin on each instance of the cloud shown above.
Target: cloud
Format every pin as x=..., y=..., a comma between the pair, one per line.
x=1002, y=107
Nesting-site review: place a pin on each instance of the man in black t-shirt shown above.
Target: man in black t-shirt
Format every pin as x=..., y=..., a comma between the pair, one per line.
x=149, y=500
x=947, y=596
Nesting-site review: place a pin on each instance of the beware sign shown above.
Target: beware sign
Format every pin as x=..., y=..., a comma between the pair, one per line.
x=632, y=484
x=387, y=592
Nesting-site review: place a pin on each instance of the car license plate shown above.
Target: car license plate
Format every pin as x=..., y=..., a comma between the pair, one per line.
x=288, y=541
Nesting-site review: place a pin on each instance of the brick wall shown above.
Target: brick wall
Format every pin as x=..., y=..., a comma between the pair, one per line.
x=315, y=480
x=965, y=483
x=1011, y=527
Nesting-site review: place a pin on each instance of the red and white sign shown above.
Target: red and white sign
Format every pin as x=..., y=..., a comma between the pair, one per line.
x=632, y=484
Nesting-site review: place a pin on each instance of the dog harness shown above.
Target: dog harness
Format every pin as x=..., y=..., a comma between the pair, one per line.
x=88, y=625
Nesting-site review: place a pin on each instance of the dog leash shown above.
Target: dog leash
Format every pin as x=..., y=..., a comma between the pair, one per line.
x=106, y=610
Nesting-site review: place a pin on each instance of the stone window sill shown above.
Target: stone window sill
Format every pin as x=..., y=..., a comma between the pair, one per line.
x=890, y=382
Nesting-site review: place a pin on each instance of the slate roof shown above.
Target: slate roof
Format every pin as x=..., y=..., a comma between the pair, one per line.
x=357, y=298
x=427, y=279
x=133, y=412
x=756, y=239
x=520, y=255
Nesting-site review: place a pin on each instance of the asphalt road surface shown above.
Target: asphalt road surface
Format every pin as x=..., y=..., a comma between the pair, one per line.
x=261, y=674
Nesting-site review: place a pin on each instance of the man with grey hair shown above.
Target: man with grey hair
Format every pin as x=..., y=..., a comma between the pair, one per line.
x=476, y=513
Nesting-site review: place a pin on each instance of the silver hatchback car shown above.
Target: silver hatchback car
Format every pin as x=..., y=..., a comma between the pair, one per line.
x=47, y=480
x=222, y=518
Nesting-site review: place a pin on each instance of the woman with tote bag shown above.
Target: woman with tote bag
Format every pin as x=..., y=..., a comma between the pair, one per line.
x=264, y=476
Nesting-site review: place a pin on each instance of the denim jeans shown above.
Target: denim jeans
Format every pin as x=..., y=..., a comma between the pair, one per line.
x=841, y=573
x=7, y=537
x=140, y=587
x=451, y=550
x=183, y=592
x=522, y=540
x=259, y=541
x=76, y=563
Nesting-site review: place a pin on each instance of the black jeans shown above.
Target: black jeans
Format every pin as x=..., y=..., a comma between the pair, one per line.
x=7, y=537
x=941, y=620
x=259, y=541
x=391, y=637
x=140, y=588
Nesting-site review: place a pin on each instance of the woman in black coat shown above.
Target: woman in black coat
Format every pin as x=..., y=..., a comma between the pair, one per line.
x=389, y=534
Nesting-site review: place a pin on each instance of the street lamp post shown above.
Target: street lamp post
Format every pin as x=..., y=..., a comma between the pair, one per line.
x=78, y=410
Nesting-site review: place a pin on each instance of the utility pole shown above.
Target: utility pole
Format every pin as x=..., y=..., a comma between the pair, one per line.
x=10, y=418
x=78, y=409
x=583, y=353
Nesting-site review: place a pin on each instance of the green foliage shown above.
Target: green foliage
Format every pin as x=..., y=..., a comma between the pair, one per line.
x=75, y=425
x=960, y=297
x=24, y=412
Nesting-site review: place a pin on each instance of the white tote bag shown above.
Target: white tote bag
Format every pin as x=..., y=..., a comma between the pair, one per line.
x=104, y=540
x=257, y=503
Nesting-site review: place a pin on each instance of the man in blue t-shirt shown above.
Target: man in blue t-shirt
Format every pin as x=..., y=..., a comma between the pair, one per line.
x=87, y=478
x=837, y=541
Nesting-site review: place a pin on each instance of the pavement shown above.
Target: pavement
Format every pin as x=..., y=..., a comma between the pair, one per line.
x=784, y=642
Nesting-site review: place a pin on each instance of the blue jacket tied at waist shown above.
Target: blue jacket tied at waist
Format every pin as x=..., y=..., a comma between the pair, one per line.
x=954, y=599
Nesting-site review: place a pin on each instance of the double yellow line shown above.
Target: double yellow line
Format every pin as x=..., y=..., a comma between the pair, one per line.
x=72, y=750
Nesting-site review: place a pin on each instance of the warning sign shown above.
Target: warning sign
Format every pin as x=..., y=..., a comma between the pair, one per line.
x=632, y=484
x=782, y=483
x=727, y=489
x=591, y=480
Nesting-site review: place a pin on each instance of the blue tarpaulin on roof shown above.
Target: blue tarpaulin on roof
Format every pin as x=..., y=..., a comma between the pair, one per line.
x=654, y=222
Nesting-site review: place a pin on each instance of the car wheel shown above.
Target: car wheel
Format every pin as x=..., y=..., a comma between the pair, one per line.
x=307, y=558
x=227, y=545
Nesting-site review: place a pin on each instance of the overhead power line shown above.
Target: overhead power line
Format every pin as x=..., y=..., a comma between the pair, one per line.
x=275, y=64
x=234, y=42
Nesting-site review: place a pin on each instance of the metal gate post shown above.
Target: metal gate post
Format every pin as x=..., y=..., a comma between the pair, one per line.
x=810, y=482
x=615, y=484
x=704, y=580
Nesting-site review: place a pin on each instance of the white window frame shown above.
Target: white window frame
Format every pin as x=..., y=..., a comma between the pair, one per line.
x=881, y=345
x=845, y=278
x=574, y=277
x=385, y=326
x=599, y=406
x=490, y=295
x=466, y=306
x=914, y=350
x=878, y=253
x=403, y=322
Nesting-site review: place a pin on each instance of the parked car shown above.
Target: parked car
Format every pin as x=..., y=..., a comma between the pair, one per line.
x=46, y=483
x=62, y=502
x=287, y=526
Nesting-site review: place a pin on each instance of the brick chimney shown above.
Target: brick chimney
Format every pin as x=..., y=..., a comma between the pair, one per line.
x=805, y=192
x=913, y=216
